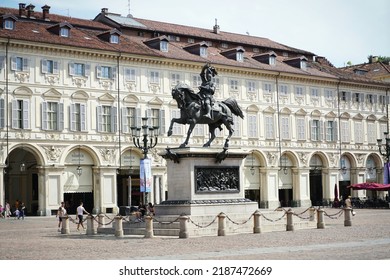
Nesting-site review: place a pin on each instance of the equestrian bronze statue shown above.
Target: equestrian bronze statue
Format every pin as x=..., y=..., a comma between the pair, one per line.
x=201, y=108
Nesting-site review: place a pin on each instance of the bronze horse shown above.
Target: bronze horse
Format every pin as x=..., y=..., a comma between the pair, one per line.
x=192, y=113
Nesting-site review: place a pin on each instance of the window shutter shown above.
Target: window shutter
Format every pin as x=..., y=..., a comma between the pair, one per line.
x=114, y=121
x=60, y=116
x=44, y=66
x=26, y=114
x=336, y=131
x=71, y=69
x=14, y=123
x=98, y=71
x=13, y=63
x=125, y=124
x=149, y=116
x=2, y=58
x=72, y=118
x=56, y=67
x=321, y=129
x=83, y=117
x=44, y=116
x=87, y=70
x=99, y=118
x=2, y=113
x=113, y=76
x=138, y=118
x=312, y=132
x=162, y=123
x=361, y=97
x=25, y=64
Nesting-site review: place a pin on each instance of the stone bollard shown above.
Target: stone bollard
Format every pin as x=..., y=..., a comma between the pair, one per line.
x=347, y=216
x=256, y=221
x=118, y=226
x=101, y=221
x=221, y=224
x=320, y=218
x=90, y=225
x=312, y=212
x=65, y=225
x=290, y=222
x=149, y=227
x=183, y=233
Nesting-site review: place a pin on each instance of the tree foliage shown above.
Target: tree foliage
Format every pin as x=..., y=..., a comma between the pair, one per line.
x=383, y=59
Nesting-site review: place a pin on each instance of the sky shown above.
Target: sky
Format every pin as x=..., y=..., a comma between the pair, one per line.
x=341, y=30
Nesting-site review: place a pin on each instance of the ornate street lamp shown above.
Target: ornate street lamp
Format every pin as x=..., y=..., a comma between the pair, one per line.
x=252, y=169
x=79, y=170
x=148, y=139
x=384, y=150
x=144, y=142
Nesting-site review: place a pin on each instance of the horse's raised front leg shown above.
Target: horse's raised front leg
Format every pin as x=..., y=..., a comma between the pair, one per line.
x=190, y=129
x=174, y=120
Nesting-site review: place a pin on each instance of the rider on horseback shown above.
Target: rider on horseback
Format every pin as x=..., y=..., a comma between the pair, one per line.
x=207, y=88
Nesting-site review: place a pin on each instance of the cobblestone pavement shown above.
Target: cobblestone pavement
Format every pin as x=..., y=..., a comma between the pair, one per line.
x=36, y=238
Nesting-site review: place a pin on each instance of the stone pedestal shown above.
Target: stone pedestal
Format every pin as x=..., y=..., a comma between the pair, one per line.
x=205, y=182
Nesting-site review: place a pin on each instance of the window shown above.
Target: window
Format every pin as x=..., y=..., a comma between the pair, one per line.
x=164, y=46
x=331, y=131
x=78, y=119
x=20, y=114
x=198, y=130
x=316, y=130
x=233, y=85
x=203, y=51
x=177, y=128
x=252, y=125
x=156, y=118
x=196, y=81
x=175, y=79
x=345, y=96
x=240, y=56
x=283, y=90
x=106, y=72
x=52, y=116
x=345, y=138
x=272, y=60
x=114, y=39
x=315, y=93
x=215, y=81
x=236, y=126
x=130, y=74
x=64, y=32
x=299, y=91
x=328, y=94
x=106, y=118
x=269, y=127
x=19, y=64
x=154, y=77
x=79, y=69
x=370, y=99
x=301, y=134
x=358, y=132
x=267, y=87
x=9, y=24
x=130, y=118
x=285, y=127
x=371, y=133
x=251, y=86
x=49, y=66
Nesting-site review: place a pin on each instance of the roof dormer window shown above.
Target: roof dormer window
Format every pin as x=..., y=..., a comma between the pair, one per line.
x=8, y=22
x=164, y=46
x=114, y=39
x=236, y=54
x=158, y=43
x=198, y=48
x=203, y=51
x=240, y=56
x=297, y=62
x=266, y=58
x=64, y=32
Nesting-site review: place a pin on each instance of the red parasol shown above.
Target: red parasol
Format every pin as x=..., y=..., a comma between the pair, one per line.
x=370, y=186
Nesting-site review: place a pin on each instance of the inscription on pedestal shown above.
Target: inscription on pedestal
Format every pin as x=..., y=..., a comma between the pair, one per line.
x=217, y=179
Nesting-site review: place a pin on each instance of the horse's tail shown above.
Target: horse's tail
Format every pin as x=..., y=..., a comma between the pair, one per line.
x=233, y=106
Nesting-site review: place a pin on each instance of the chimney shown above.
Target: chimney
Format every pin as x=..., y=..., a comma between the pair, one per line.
x=216, y=27
x=30, y=10
x=104, y=10
x=22, y=9
x=45, y=12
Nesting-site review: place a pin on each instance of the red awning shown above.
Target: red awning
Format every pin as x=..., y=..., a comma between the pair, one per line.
x=370, y=186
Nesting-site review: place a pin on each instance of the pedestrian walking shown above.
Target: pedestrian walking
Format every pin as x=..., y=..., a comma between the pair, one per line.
x=1, y=211
x=61, y=213
x=80, y=212
x=22, y=213
x=7, y=213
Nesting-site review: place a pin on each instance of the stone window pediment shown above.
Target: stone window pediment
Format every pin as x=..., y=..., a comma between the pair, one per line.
x=106, y=98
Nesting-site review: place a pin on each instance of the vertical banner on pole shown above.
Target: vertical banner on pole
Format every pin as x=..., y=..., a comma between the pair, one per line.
x=145, y=175
x=386, y=173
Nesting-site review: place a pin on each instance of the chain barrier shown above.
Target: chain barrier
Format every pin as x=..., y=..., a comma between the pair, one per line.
x=212, y=222
x=239, y=224
x=276, y=220
x=333, y=216
x=165, y=223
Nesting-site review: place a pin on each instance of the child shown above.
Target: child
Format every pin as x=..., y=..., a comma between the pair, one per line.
x=17, y=213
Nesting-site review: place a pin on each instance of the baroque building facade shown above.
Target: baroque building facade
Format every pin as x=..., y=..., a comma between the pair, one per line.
x=71, y=90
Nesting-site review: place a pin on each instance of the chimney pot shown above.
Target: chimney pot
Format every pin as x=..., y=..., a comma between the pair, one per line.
x=45, y=11
x=104, y=10
x=30, y=10
x=22, y=8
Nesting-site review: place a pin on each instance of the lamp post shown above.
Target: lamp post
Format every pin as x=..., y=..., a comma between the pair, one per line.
x=384, y=150
x=144, y=142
